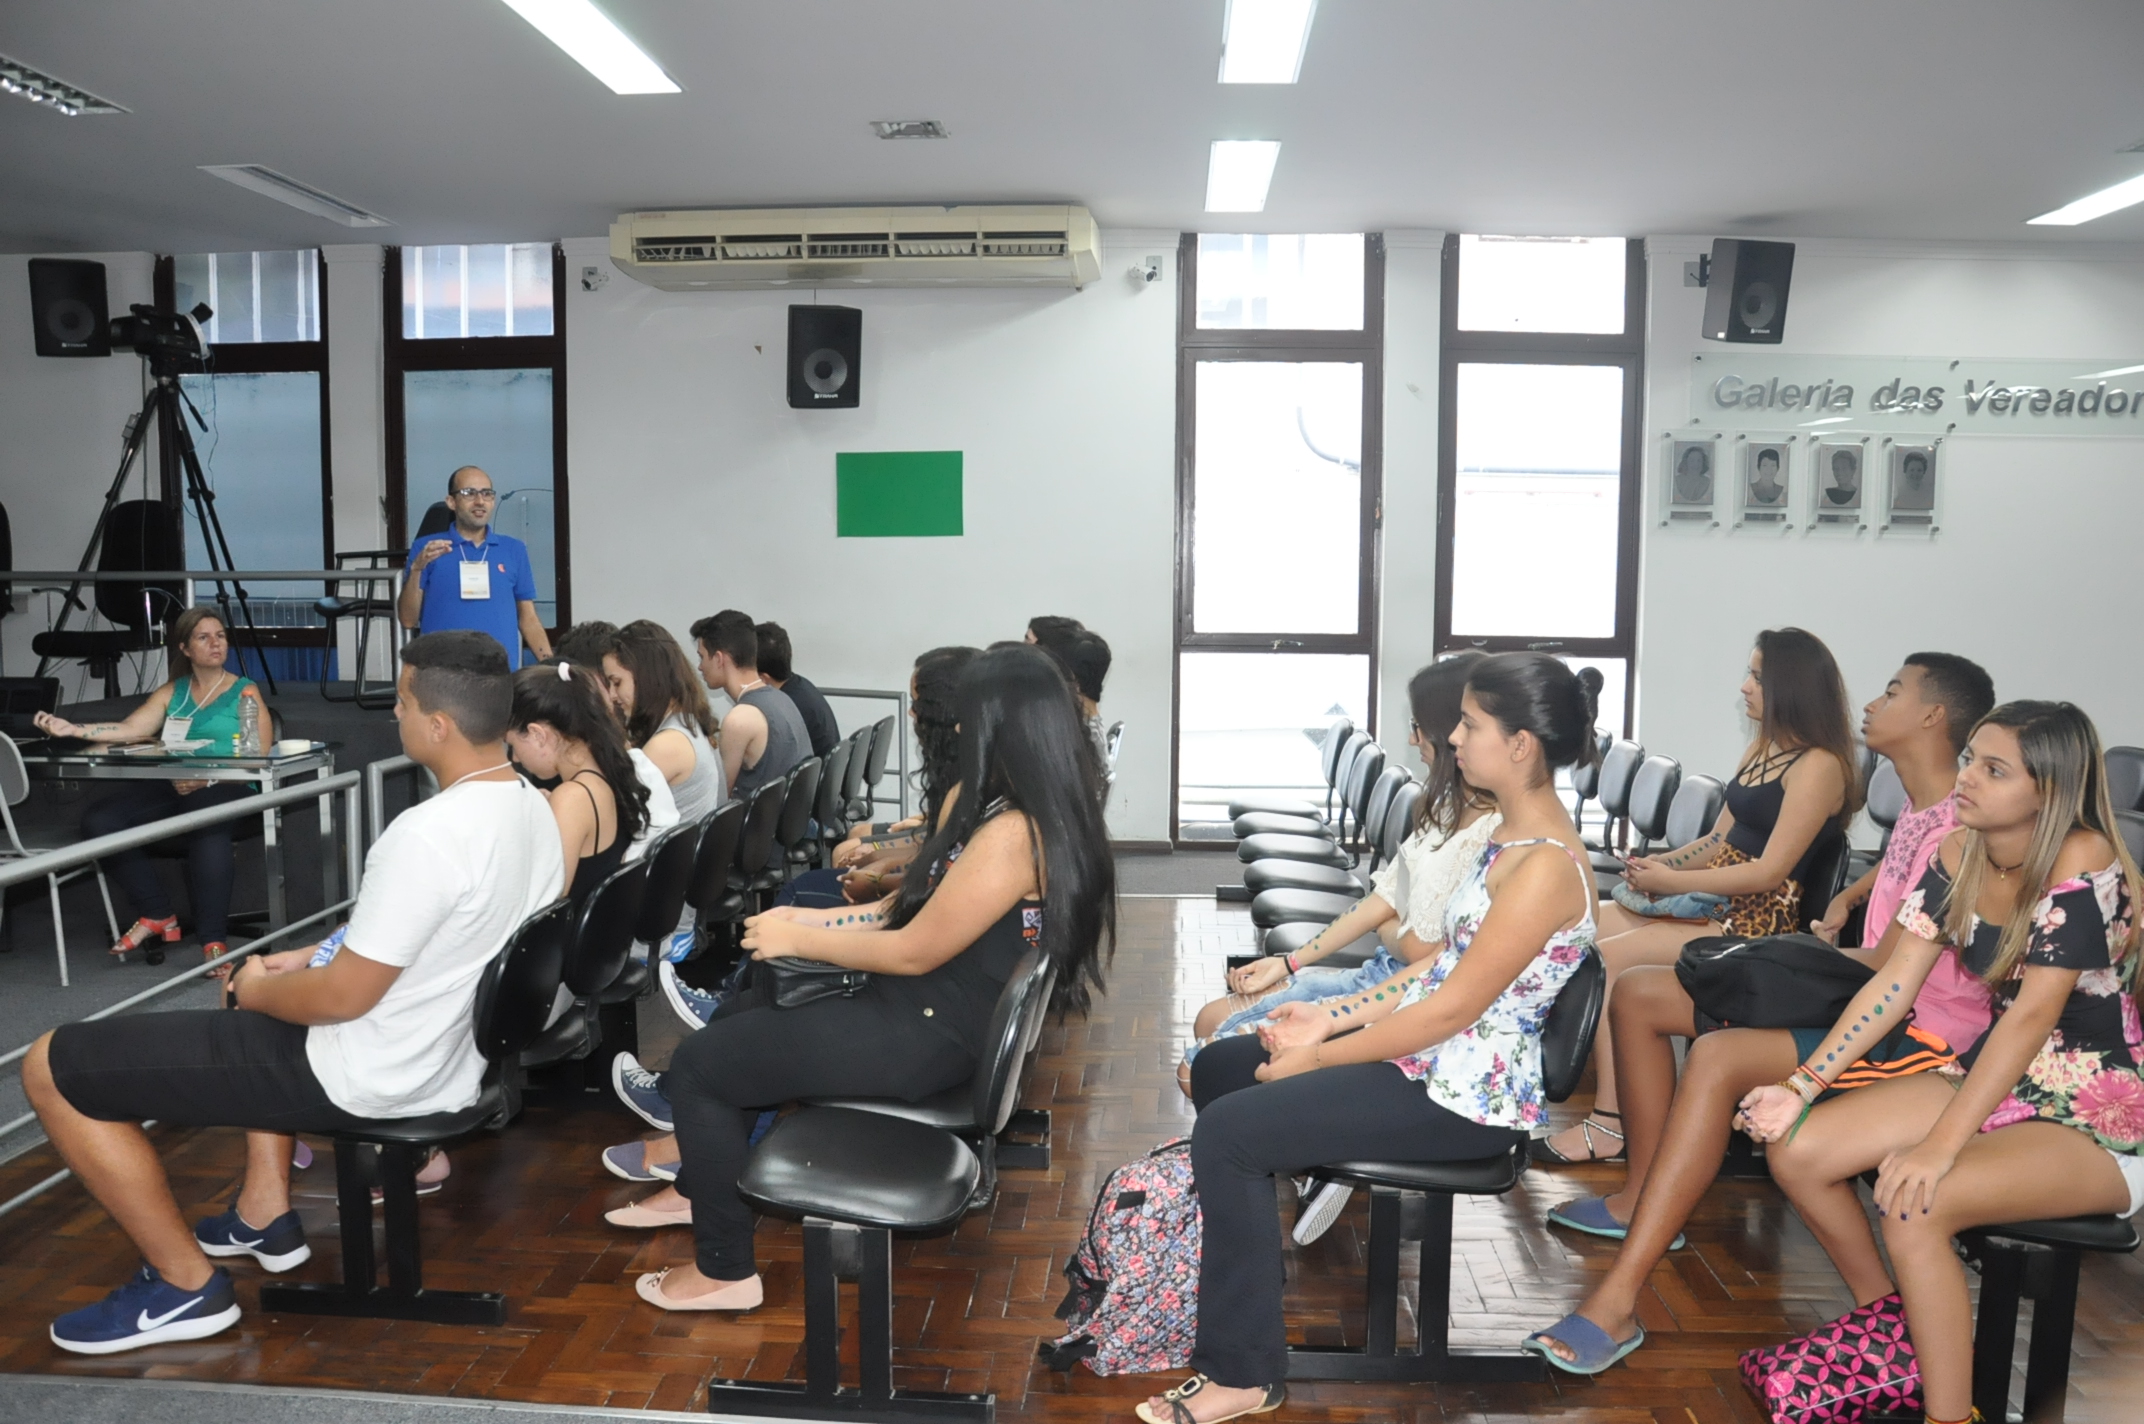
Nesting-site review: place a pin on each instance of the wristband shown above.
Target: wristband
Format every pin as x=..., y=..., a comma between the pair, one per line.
x=1293, y=967
x=1804, y=1084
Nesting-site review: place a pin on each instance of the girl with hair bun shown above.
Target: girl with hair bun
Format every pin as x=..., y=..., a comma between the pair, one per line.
x=1446, y=1068
x=562, y=727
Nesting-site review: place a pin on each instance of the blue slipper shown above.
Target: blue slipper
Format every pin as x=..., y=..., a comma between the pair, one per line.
x=1590, y=1215
x=1595, y=1348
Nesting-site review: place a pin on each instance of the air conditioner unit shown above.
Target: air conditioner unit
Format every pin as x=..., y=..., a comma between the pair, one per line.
x=1055, y=246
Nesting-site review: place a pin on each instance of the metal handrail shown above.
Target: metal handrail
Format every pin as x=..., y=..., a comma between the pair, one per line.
x=900, y=738
x=376, y=774
x=204, y=575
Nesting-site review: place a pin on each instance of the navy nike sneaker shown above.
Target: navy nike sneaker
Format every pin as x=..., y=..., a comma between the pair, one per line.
x=148, y=1310
x=280, y=1245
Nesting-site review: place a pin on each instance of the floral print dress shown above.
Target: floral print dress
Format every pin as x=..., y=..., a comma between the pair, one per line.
x=1490, y=1071
x=2090, y=1073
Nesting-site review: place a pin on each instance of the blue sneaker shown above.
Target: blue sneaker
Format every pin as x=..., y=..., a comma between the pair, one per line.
x=694, y=1006
x=641, y=1091
x=280, y=1245
x=678, y=947
x=147, y=1311
x=762, y=1125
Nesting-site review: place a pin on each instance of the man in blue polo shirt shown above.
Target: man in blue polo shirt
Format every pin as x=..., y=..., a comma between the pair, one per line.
x=470, y=577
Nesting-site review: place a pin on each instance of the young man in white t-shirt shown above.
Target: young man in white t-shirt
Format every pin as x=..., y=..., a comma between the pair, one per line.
x=382, y=1030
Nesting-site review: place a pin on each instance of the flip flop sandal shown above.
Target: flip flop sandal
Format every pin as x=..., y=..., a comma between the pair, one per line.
x=1540, y=1149
x=1594, y=1347
x=1275, y=1396
x=732, y=1297
x=1591, y=1215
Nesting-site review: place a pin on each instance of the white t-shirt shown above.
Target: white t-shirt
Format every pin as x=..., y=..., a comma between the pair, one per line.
x=662, y=805
x=445, y=886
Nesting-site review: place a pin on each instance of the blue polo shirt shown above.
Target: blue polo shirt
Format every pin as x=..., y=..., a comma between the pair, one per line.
x=512, y=581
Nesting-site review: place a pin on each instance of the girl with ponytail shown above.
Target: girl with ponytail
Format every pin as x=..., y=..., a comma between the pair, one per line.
x=561, y=727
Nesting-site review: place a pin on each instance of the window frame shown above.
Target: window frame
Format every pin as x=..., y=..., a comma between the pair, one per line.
x=404, y=354
x=1625, y=349
x=1365, y=347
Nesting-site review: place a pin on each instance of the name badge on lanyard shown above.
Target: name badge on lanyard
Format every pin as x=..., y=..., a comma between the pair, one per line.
x=476, y=579
x=175, y=730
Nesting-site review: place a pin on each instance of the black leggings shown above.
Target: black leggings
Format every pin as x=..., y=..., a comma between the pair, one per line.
x=753, y=1056
x=1247, y=1131
x=209, y=860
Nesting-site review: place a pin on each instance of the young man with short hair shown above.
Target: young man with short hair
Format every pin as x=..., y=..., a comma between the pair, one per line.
x=381, y=1030
x=777, y=667
x=763, y=736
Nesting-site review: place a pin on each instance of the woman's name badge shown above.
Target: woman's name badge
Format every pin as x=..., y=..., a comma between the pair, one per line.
x=175, y=730
x=476, y=579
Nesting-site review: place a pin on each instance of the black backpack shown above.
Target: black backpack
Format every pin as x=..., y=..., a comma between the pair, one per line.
x=1774, y=981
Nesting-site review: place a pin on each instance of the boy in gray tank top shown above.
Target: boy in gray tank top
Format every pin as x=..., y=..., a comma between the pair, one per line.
x=763, y=736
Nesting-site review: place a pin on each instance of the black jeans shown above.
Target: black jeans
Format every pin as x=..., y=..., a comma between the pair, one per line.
x=1247, y=1131
x=209, y=860
x=751, y=1056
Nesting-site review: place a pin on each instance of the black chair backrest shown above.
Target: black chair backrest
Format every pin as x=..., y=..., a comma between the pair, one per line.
x=1399, y=820
x=436, y=520
x=882, y=736
x=1388, y=784
x=515, y=994
x=2125, y=778
x=604, y=937
x=1825, y=876
x=1586, y=780
x=1335, y=741
x=762, y=818
x=1652, y=794
x=1618, y=770
x=141, y=534
x=797, y=803
x=715, y=856
x=1696, y=806
x=852, y=779
x=831, y=811
x=669, y=859
x=1886, y=794
x=1362, y=780
x=997, y=1074
x=1567, y=1035
x=2131, y=826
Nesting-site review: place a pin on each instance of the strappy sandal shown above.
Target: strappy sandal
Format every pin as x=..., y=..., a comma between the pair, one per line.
x=1542, y=1150
x=144, y=931
x=1275, y=1396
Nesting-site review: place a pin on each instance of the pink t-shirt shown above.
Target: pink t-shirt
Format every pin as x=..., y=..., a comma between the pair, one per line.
x=1952, y=1004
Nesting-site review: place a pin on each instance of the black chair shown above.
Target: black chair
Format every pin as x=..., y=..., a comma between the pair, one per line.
x=368, y=603
x=1652, y=795
x=2036, y=1261
x=856, y=1177
x=792, y=830
x=831, y=810
x=716, y=904
x=854, y=809
x=669, y=862
x=1886, y=796
x=2131, y=826
x=1328, y=848
x=1289, y=936
x=1566, y=1042
x=1306, y=819
x=1825, y=871
x=602, y=946
x=1263, y=875
x=1585, y=785
x=1330, y=745
x=1281, y=905
x=513, y=1000
x=2125, y=777
x=1695, y=809
x=756, y=873
x=1619, y=768
x=138, y=534
x=883, y=734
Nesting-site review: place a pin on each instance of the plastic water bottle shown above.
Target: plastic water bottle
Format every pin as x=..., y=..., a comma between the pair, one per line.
x=249, y=727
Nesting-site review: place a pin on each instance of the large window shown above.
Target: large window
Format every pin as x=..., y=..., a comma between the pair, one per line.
x=262, y=439
x=1538, y=482
x=1281, y=345
x=476, y=375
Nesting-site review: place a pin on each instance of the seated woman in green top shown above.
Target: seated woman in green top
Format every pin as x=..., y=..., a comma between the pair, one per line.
x=200, y=703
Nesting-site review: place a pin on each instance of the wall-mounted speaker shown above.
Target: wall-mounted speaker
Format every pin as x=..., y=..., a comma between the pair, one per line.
x=67, y=306
x=1746, y=291
x=825, y=357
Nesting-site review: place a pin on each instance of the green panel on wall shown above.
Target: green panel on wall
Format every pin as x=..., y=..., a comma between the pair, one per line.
x=897, y=494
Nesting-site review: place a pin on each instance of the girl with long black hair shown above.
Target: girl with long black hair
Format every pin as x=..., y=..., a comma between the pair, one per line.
x=1021, y=857
x=561, y=727
x=872, y=858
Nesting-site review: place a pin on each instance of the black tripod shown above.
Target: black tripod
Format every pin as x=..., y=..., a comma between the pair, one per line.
x=166, y=400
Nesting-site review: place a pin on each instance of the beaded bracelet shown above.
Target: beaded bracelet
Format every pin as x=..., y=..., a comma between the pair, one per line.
x=1804, y=1083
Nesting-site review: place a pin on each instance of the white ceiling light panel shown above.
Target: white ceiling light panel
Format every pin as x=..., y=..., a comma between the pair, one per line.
x=2094, y=205
x=594, y=41
x=1238, y=174
x=1262, y=41
x=283, y=188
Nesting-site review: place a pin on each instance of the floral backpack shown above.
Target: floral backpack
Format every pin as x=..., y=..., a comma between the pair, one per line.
x=1133, y=1307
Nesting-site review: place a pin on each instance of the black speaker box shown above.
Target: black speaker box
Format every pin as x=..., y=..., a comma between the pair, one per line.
x=67, y=306
x=825, y=357
x=1746, y=294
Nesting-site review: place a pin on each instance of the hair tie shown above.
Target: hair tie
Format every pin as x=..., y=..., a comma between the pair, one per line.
x=565, y=671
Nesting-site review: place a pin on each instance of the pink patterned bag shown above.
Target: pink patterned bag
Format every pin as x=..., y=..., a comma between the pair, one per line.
x=1859, y=1365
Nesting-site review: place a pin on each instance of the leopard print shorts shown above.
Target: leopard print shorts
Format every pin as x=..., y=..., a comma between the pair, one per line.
x=1763, y=912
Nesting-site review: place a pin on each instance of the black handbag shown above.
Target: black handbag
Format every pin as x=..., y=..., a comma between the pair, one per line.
x=798, y=982
x=1773, y=981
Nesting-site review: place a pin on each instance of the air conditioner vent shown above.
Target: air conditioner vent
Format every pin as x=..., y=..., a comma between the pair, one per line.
x=825, y=248
x=1033, y=246
x=934, y=244
x=779, y=248
x=1026, y=244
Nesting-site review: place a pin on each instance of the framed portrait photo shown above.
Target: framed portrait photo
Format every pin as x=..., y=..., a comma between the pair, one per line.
x=1765, y=470
x=1913, y=484
x=1692, y=478
x=1838, y=475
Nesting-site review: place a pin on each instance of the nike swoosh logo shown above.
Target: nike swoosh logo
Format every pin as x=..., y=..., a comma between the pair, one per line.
x=147, y=1322
x=248, y=1244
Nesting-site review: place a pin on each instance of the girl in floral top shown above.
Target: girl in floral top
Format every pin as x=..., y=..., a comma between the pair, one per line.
x=2044, y=1116
x=1446, y=1069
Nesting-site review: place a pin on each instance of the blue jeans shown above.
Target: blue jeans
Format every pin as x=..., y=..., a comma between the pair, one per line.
x=1307, y=987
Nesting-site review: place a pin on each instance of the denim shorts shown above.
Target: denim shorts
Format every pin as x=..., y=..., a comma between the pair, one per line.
x=1311, y=984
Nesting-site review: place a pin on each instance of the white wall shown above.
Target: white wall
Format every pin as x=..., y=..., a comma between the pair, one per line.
x=2034, y=573
x=61, y=424
x=695, y=487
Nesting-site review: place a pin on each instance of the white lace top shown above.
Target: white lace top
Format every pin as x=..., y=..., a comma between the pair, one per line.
x=1420, y=880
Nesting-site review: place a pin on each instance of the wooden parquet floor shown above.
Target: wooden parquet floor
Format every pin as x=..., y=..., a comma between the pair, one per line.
x=523, y=1213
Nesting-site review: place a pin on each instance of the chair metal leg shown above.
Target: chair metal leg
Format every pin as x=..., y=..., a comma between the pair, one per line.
x=833, y=1252
x=2002, y=1283
x=2052, y=1284
x=59, y=927
x=1432, y=1359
